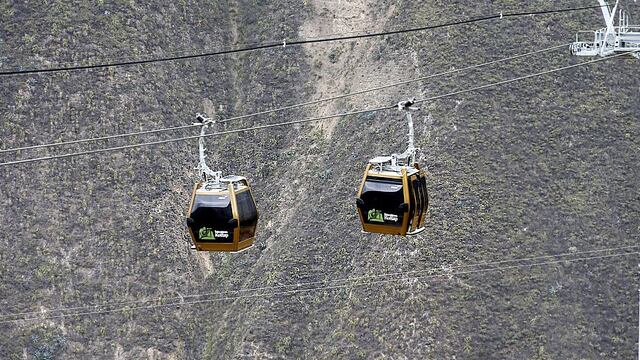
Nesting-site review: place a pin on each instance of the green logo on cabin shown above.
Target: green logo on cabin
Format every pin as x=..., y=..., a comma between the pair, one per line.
x=375, y=216
x=206, y=233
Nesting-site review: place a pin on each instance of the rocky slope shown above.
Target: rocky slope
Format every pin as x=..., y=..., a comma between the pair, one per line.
x=544, y=166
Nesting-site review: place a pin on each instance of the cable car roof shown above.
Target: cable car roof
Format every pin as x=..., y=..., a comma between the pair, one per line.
x=239, y=184
x=229, y=179
x=382, y=166
x=389, y=170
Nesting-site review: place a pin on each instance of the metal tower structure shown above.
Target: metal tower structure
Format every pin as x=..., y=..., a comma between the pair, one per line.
x=613, y=39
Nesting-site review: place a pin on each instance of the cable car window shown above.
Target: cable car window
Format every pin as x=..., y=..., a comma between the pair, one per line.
x=211, y=216
x=248, y=215
x=382, y=199
x=412, y=199
x=417, y=189
x=423, y=182
x=213, y=201
x=246, y=209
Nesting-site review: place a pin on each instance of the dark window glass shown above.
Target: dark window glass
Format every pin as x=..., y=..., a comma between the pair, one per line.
x=213, y=201
x=423, y=194
x=248, y=215
x=412, y=200
x=211, y=215
x=246, y=209
x=417, y=190
x=423, y=180
x=382, y=199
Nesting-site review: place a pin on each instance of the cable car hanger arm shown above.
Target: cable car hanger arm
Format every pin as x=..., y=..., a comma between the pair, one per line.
x=410, y=154
x=206, y=174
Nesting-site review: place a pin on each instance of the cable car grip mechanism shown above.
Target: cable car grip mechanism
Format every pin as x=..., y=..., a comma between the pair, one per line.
x=208, y=176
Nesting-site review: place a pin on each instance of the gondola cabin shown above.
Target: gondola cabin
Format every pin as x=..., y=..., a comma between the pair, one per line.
x=392, y=199
x=223, y=215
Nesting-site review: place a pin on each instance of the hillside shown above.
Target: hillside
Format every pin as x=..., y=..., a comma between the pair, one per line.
x=548, y=165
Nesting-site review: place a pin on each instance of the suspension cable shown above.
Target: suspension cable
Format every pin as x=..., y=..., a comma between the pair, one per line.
x=302, y=121
x=314, y=289
x=317, y=282
x=293, y=106
x=285, y=43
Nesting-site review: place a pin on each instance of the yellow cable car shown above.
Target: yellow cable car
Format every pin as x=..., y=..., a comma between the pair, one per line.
x=392, y=200
x=393, y=197
x=224, y=217
x=222, y=213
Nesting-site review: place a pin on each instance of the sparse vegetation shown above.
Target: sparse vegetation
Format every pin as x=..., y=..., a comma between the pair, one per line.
x=540, y=167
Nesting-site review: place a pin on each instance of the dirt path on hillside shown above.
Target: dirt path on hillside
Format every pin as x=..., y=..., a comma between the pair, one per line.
x=343, y=67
